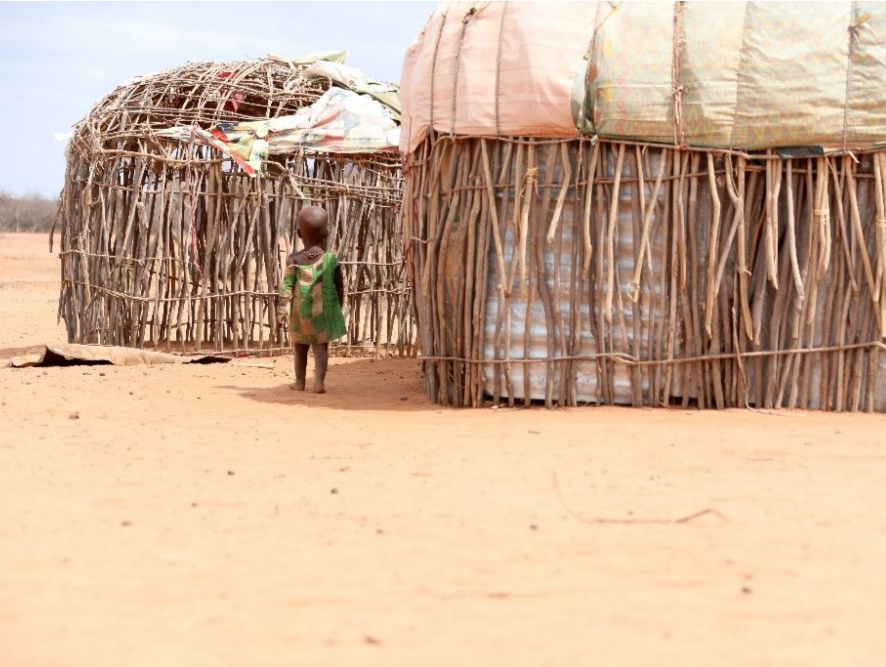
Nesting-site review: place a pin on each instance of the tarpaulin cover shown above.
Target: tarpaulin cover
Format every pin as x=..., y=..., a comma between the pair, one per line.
x=353, y=79
x=340, y=121
x=72, y=354
x=721, y=75
x=510, y=73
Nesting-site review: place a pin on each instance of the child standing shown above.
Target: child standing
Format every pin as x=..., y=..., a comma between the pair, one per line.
x=313, y=290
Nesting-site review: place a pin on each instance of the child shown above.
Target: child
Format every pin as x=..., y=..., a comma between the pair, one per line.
x=312, y=284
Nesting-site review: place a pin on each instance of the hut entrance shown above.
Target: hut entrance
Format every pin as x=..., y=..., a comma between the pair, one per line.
x=181, y=195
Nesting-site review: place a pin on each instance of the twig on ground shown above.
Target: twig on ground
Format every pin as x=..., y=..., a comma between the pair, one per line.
x=601, y=520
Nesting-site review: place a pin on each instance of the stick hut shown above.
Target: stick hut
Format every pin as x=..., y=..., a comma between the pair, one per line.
x=171, y=245
x=588, y=269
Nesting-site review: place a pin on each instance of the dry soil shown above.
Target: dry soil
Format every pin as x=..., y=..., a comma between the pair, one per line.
x=202, y=516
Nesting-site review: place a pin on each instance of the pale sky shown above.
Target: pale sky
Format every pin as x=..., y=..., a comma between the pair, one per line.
x=58, y=59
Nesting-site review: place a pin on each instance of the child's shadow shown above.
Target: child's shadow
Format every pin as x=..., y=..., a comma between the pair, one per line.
x=352, y=384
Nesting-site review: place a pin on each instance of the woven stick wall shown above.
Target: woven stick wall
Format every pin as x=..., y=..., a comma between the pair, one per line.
x=167, y=244
x=614, y=273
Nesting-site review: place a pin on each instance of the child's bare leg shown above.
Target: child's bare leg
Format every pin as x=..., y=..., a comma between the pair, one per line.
x=301, y=365
x=321, y=362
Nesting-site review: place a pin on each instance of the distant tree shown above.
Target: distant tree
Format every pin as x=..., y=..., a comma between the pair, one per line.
x=25, y=213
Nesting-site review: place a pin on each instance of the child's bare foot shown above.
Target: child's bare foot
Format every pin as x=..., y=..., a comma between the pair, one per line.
x=298, y=386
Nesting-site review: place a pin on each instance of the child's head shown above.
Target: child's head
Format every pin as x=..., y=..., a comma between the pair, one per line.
x=312, y=224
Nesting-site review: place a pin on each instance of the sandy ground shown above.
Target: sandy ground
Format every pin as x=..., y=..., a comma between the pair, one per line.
x=202, y=516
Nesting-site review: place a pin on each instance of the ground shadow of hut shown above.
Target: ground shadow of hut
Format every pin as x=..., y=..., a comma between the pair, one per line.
x=649, y=204
x=180, y=200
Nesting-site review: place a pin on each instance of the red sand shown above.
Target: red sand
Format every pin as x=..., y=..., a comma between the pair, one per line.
x=202, y=516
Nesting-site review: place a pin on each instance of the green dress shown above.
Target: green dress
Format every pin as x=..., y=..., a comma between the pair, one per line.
x=315, y=314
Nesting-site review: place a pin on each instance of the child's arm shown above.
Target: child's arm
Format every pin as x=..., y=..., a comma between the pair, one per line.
x=285, y=296
x=339, y=285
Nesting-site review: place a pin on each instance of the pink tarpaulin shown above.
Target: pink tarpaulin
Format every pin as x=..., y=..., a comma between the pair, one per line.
x=516, y=65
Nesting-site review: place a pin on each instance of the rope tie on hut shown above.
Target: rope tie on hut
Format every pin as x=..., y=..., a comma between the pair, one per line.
x=857, y=24
x=461, y=40
x=677, y=88
x=501, y=32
